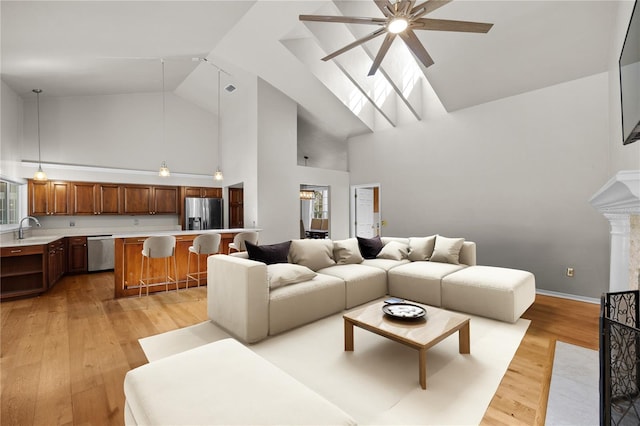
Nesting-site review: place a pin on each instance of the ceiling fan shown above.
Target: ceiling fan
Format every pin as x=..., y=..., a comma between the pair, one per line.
x=401, y=18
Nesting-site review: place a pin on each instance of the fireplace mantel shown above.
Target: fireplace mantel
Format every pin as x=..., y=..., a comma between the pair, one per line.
x=618, y=200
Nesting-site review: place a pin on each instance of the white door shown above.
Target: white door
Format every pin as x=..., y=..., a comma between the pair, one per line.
x=365, y=225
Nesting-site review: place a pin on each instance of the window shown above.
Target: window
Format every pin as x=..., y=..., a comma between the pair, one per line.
x=9, y=203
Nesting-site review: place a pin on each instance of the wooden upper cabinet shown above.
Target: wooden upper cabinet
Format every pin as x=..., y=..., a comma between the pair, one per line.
x=165, y=199
x=202, y=192
x=136, y=199
x=95, y=198
x=84, y=198
x=142, y=199
x=49, y=198
x=108, y=198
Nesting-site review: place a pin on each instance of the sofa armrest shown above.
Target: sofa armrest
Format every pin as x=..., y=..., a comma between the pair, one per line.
x=468, y=253
x=238, y=296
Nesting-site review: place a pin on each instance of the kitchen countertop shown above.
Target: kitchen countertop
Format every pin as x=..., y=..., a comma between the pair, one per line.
x=49, y=238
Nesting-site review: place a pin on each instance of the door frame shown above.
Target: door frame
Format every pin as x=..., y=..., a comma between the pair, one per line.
x=352, y=206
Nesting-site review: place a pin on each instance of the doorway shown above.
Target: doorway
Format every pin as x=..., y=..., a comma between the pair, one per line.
x=314, y=211
x=236, y=207
x=366, y=217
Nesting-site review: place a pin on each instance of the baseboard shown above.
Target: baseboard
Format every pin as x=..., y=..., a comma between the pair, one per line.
x=568, y=296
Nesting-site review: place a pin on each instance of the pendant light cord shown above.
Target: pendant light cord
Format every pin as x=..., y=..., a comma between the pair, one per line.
x=219, y=112
x=38, y=114
x=164, y=138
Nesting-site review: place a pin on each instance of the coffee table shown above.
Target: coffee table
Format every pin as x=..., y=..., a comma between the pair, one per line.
x=420, y=335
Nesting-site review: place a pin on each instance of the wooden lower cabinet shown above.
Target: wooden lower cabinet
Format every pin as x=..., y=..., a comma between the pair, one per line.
x=128, y=263
x=57, y=261
x=23, y=271
x=77, y=260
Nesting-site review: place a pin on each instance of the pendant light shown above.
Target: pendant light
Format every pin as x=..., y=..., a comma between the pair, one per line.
x=164, y=170
x=40, y=174
x=218, y=174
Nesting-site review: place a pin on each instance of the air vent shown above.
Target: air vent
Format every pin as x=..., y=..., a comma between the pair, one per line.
x=230, y=88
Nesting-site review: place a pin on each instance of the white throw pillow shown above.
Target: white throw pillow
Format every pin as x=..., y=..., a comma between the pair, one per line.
x=394, y=250
x=447, y=250
x=281, y=274
x=421, y=248
x=314, y=254
x=346, y=252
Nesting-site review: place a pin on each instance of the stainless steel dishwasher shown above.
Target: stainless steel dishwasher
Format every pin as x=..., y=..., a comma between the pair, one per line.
x=100, y=250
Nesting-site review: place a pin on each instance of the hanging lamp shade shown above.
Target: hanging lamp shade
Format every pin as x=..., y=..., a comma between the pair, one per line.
x=40, y=174
x=164, y=170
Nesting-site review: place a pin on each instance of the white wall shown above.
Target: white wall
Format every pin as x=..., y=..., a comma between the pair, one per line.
x=11, y=132
x=120, y=131
x=513, y=175
x=279, y=176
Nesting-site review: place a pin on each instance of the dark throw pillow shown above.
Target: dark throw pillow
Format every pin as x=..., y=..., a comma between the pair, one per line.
x=273, y=253
x=369, y=247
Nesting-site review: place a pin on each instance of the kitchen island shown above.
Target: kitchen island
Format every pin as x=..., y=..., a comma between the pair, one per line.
x=128, y=258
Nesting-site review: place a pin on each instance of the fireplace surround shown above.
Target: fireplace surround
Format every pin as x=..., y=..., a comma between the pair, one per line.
x=619, y=201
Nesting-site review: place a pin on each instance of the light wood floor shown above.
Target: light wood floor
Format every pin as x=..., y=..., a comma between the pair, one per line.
x=65, y=354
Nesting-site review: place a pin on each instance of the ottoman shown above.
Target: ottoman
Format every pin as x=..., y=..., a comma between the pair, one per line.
x=499, y=293
x=222, y=383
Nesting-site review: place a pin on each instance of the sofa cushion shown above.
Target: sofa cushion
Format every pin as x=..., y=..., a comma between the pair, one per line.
x=273, y=253
x=281, y=274
x=421, y=248
x=384, y=264
x=223, y=383
x=294, y=305
x=346, y=252
x=420, y=281
x=394, y=250
x=314, y=254
x=369, y=247
x=362, y=283
x=447, y=250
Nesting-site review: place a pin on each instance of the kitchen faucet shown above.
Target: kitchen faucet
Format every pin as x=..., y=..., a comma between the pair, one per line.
x=21, y=231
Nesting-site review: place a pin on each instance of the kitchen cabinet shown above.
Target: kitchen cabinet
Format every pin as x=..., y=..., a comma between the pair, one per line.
x=49, y=198
x=144, y=199
x=77, y=260
x=23, y=271
x=128, y=259
x=90, y=198
x=201, y=192
x=57, y=261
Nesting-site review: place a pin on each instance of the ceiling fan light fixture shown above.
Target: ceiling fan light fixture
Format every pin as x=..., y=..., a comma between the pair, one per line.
x=397, y=25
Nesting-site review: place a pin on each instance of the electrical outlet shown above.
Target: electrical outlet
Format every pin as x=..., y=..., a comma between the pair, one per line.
x=136, y=221
x=72, y=223
x=570, y=272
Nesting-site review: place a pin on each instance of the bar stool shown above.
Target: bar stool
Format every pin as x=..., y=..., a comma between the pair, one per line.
x=162, y=247
x=240, y=238
x=203, y=244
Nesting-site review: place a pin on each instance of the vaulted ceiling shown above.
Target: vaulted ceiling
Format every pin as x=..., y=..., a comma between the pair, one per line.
x=80, y=48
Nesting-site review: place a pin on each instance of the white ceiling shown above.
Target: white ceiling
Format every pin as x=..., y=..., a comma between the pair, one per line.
x=92, y=48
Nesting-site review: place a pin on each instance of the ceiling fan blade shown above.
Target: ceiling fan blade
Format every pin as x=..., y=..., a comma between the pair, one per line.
x=386, y=44
x=350, y=46
x=449, y=25
x=385, y=7
x=343, y=19
x=427, y=7
x=412, y=42
x=406, y=6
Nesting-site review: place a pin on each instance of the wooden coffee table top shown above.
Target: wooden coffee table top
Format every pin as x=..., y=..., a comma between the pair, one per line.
x=423, y=334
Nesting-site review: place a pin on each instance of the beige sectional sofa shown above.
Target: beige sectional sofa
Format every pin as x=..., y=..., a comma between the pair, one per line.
x=253, y=300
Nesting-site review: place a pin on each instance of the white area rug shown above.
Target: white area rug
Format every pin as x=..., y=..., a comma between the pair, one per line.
x=574, y=392
x=378, y=382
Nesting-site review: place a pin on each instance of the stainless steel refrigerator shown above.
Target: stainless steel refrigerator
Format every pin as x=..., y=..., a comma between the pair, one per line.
x=203, y=213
